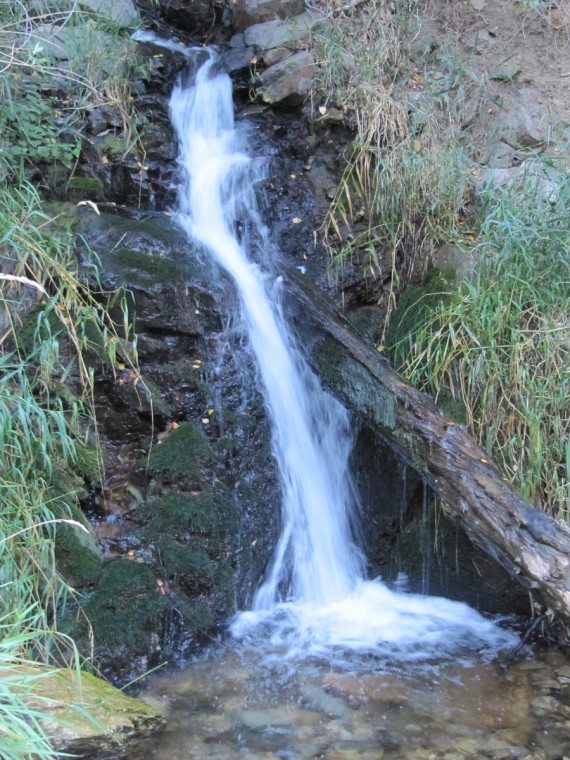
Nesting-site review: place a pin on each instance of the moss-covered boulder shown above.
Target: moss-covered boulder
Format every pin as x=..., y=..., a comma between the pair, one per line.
x=183, y=457
x=126, y=612
x=186, y=564
x=78, y=556
x=84, y=715
x=182, y=514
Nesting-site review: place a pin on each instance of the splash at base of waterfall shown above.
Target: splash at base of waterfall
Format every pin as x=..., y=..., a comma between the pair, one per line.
x=373, y=621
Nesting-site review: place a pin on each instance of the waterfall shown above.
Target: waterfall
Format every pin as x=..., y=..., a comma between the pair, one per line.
x=315, y=596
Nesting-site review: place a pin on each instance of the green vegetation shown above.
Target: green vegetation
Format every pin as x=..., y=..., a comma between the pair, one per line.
x=57, y=61
x=54, y=332
x=407, y=179
x=182, y=456
x=131, y=588
x=179, y=513
x=499, y=343
x=492, y=349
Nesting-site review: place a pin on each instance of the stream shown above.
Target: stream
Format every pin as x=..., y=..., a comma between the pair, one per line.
x=327, y=663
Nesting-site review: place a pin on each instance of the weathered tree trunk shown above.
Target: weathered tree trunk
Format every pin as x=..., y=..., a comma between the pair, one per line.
x=530, y=545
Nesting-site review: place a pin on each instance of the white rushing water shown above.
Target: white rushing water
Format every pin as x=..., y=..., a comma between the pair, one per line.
x=315, y=597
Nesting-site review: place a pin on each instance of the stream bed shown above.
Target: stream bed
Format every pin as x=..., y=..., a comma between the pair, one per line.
x=233, y=703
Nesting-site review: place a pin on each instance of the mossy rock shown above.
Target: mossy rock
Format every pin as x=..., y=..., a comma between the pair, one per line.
x=178, y=513
x=85, y=188
x=39, y=324
x=126, y=609
x=186, y=564
x=183, y=457
x=84, y=716
x=77, y=553
x=224, y=591
x=146, y=397
x=88, y=462
x=148, y=269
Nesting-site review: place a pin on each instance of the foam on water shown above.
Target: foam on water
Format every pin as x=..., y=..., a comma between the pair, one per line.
x=315, y=599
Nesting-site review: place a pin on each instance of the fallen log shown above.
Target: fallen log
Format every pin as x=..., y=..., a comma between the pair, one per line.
x=533, y=547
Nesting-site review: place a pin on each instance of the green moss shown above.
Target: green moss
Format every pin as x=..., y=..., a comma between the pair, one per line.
x=224, y=593
x=183, y=456
x=415, y=309
x=82, y=188
x=147, y=267
x=188, y=564
x=67, y=701
x=38, y=324
x=198, y=618
x=77, y=553
x=88, y=462
x=179, y=513
x=125, y=608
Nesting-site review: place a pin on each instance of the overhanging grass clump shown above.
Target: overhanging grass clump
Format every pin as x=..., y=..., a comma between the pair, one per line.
x=501, y=342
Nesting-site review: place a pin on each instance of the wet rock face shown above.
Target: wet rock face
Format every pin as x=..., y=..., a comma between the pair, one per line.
x=188, y=514
x=197, y=18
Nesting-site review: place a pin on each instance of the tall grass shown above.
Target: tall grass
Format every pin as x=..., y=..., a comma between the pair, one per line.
x=407, y=180
x=500, y=343
x=47, y=363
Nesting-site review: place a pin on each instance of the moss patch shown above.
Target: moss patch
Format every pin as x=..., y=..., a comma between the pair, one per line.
x=415, y=309
x=147, y=268
x=183, y=456
x=66, y=701
x=77, y=552
x=178, y=513
x=188, y=564
x=126, y=608
x=224, y=593
x=82, y=188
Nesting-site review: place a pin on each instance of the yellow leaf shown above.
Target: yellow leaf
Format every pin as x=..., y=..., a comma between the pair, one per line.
x=380, y=347
x=104, y=160
x=293, y=176
x=174, y=425
x=417, y=146
x=131, y=553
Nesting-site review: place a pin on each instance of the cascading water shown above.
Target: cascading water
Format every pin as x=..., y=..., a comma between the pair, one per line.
x=315, y=598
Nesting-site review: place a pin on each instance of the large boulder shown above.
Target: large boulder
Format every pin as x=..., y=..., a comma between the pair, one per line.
x=121, y=13
x=246, y=13
x=84, y=716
